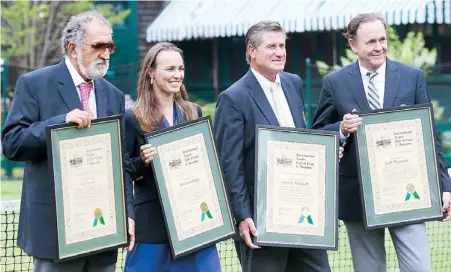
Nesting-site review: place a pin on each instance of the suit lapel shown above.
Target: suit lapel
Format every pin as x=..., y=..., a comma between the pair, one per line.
x=101, y=103
x=391, y=83
x=162, y=124
x=67, y=88
x=354, y=80
x=260, y=99
x=293, y=100
x=180, y=116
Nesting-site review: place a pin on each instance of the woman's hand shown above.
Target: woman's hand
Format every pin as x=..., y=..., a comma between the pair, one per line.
x=147, y=153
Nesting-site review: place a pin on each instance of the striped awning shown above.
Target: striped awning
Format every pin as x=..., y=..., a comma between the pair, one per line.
x=191, y=19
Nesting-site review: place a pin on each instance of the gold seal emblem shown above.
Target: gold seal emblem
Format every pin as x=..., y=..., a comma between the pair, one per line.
x=410, y=188
x=97, y=213
x=204, y=207
x=305, y=211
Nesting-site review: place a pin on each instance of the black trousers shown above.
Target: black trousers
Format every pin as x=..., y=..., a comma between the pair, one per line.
x=278, y=259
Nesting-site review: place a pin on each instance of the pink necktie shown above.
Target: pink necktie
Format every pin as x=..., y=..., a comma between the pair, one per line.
x=85, y=91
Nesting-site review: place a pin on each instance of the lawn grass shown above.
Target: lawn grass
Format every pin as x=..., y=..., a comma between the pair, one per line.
x=340, y=261
x=17, y=171
x=209, y=110
x=10, y=189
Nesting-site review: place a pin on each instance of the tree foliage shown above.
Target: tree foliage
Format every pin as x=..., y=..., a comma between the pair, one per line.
x=31, y=30
x=411, y=51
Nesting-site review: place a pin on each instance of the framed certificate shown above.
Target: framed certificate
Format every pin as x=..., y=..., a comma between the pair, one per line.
x=295, y=200
x=398, y=166
x=86, y=166
x=190, y=186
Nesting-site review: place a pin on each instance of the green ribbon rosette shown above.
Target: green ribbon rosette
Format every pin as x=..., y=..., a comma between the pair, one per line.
x=305, y=215
x=411, y=192
x=98, y=217
x=205, y=211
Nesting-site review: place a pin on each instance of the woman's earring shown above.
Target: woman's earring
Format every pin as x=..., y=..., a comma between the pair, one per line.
x=151, y=80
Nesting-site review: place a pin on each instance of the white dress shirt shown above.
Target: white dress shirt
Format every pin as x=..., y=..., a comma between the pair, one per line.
x=379, y=81
x=282, y=109
x=77, y=81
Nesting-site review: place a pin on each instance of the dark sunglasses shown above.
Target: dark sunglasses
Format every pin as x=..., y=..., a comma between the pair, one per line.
x=100, y=46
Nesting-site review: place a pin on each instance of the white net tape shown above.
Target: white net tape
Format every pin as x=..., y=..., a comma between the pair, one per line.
x=9, y=206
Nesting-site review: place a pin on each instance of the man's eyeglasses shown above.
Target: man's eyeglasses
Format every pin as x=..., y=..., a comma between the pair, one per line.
x=100, y=46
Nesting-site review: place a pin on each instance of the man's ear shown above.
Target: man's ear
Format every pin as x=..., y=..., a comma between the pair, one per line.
x=353, y=45
x=251, y=51
x=71, y=50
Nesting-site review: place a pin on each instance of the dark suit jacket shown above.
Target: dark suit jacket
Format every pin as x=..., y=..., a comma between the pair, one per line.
x=342, y=92
x=149, y=221
x=238, y=111
x=42, y=98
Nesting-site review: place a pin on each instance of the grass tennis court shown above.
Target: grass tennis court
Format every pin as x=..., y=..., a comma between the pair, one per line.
x=13, y=259
x=11, y=189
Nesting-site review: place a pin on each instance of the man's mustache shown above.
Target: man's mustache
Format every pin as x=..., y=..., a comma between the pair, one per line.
x=101, y=61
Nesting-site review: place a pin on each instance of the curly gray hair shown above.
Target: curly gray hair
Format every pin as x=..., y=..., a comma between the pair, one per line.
x=75, y=29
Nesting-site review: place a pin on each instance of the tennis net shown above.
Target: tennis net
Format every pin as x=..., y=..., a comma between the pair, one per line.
x=12, y=258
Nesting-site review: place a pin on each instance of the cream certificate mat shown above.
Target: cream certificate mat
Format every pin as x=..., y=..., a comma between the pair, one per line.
x=190, y=186
x=296, y=186
x=88, y=188
x=398, y=167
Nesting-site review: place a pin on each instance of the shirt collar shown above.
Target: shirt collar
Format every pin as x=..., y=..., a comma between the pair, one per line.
x=264, y=82
x=380, y=71
x=73, y=73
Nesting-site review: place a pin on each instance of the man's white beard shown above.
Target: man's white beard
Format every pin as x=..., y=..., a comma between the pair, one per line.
x=93, y=72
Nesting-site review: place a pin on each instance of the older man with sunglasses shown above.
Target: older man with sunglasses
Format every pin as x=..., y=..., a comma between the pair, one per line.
x=72, y=91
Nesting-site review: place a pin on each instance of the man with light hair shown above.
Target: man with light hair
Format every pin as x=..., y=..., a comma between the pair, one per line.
x=269, y=96
x=72, y=91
